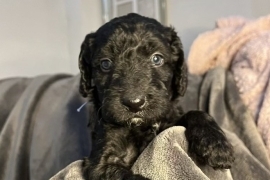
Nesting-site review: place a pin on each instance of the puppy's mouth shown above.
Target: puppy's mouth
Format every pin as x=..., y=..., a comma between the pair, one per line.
x=136, y=120
x=113, y=110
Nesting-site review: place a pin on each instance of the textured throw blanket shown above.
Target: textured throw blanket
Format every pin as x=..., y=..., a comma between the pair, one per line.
x=42, y=136
x=165, y=158
x=243, y=46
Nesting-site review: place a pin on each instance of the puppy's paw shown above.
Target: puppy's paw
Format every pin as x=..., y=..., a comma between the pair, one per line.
x=136, y=177
x=209, y=145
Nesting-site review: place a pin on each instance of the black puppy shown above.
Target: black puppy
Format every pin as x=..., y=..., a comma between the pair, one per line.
x=133, y=70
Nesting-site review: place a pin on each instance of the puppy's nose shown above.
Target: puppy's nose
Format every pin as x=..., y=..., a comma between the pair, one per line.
x=135, y=104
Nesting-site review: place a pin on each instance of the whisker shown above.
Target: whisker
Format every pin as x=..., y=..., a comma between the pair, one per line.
x=100, y=120
x=79, y=109
x=100, y=109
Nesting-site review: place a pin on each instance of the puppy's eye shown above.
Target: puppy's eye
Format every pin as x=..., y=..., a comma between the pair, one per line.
x=157, y=60
x=105, y=65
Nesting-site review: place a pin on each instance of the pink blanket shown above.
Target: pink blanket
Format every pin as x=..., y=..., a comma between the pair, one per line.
x=242, y=46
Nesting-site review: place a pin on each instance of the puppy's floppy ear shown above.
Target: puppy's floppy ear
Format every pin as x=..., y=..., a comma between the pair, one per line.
x=180, y=79
x=85, y=58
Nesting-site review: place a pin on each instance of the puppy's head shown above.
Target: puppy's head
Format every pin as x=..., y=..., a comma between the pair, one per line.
x=132, y=68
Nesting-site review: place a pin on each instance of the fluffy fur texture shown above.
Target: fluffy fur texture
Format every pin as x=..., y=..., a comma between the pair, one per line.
x=133, y=70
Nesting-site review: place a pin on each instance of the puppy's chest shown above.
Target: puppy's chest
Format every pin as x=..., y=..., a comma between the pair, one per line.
x=149, y=131
x=143, y=136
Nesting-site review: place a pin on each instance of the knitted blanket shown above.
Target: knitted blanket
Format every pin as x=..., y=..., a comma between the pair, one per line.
x=242, y=46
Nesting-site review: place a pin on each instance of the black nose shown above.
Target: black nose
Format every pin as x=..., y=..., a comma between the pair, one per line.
x=134, y=104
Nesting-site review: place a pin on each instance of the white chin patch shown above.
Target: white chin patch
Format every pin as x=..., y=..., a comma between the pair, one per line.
x=136, y=120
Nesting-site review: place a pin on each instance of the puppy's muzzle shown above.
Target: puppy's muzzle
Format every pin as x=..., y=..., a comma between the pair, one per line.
x=134, y=104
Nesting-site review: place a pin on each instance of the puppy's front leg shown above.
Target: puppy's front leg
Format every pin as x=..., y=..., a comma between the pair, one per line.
x=207, y=142
x=112, y=157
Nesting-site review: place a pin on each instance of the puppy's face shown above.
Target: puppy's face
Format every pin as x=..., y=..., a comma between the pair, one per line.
x=131, y=62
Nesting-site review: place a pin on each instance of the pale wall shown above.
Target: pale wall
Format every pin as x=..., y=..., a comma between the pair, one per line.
x=191, y=17
x=44, y=36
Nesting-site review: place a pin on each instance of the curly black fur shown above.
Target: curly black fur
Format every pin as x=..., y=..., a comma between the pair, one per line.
x=122, y=128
